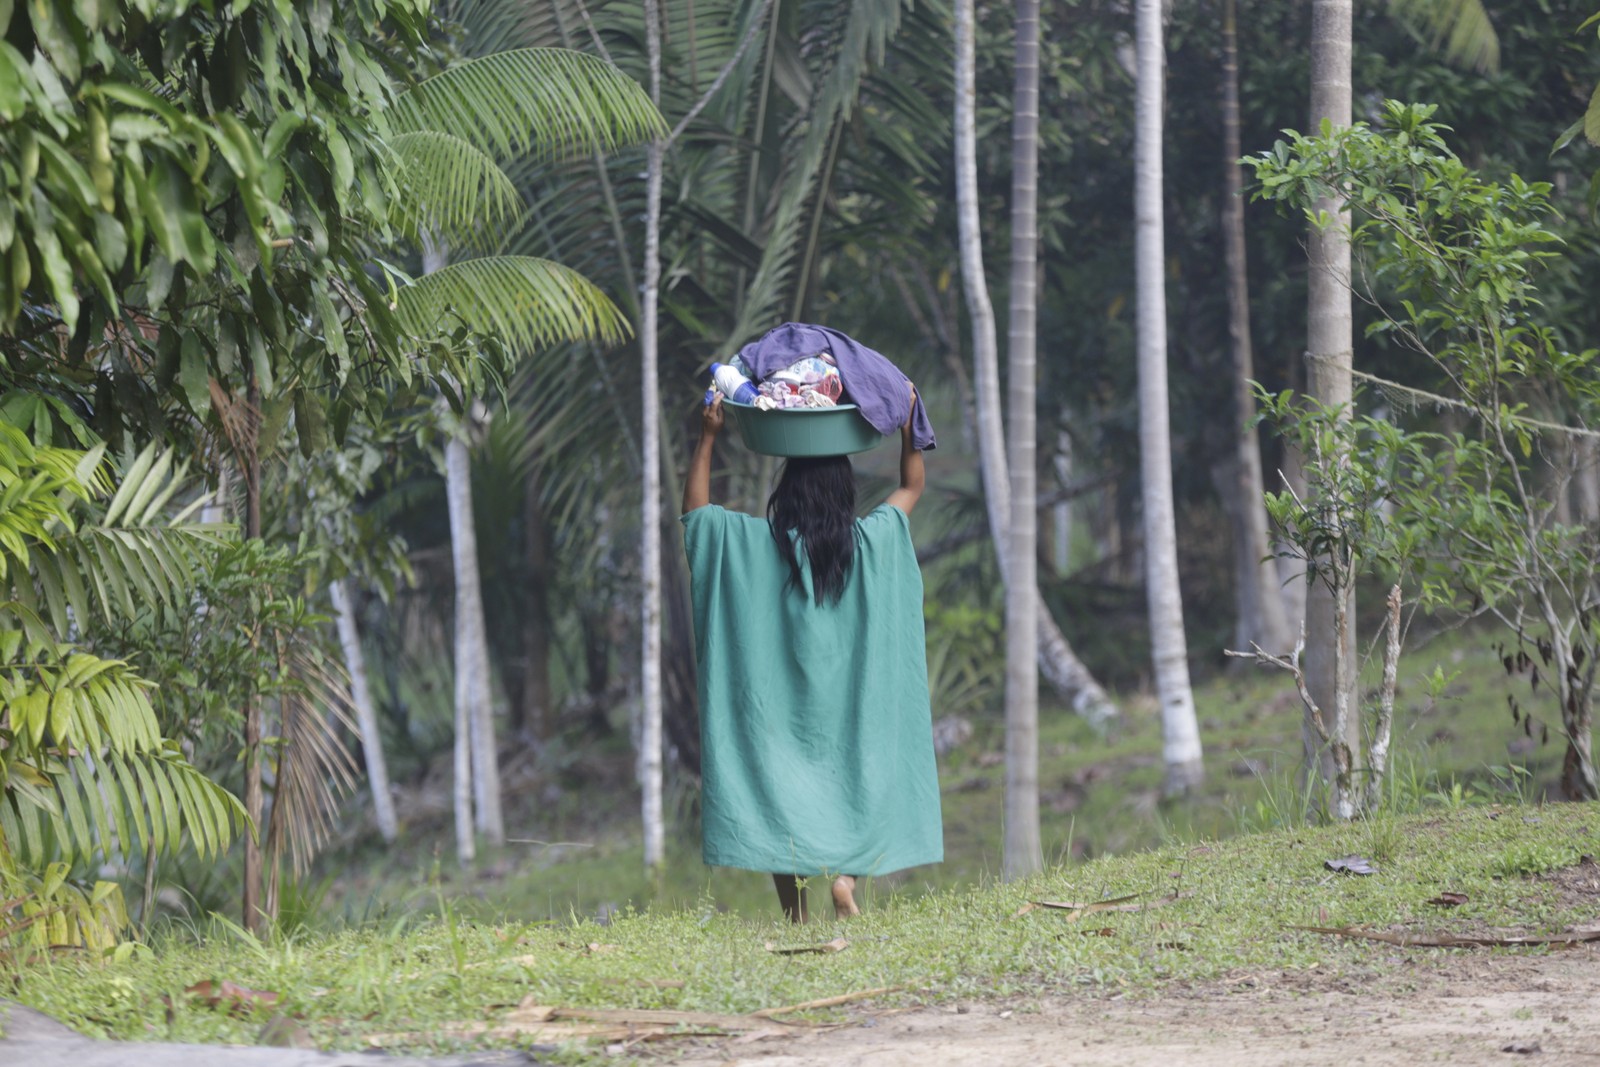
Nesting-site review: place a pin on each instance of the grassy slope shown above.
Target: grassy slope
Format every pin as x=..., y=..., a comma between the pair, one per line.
x=1238, y=899
x=1100, y=796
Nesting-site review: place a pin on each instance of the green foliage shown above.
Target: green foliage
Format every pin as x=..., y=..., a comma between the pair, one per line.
x=85, y=771
x=543, y=103
x=1454, y=262
x=1236, y=903
x=1527, y=859
x=1461, y=28
x=964, y=643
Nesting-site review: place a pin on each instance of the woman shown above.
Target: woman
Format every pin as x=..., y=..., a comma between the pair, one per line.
x=817, y=742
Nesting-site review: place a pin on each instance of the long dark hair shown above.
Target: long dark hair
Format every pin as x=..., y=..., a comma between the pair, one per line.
x=816, y=498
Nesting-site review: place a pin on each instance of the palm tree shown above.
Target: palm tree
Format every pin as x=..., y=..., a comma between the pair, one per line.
x=1060, y=665
x=1023, y=855
x=650, y=465
x=1261, y=615
x=1330, y=615
x=1180, y=732
x=451, y=133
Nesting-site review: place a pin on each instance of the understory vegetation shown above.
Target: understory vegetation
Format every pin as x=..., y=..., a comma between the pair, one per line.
x=1206, y=911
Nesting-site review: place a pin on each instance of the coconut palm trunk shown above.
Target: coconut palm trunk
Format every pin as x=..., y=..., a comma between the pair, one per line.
x=366, y=715
x=1179, y=730
x=650, y=515
x=1260, y=615
x=1061, y=667
x=477, y=765
x=1330, y=615
x=1022, y=854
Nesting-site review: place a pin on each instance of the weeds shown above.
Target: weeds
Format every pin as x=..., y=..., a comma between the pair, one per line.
x=1235, y=902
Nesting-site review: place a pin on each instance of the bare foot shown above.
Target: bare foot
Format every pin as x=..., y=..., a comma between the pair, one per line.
x=844, y=897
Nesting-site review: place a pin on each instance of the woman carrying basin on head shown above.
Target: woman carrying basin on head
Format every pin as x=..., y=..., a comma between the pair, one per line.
x=815, y=722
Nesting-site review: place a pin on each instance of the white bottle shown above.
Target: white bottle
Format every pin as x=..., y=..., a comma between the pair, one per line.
x=734, y=385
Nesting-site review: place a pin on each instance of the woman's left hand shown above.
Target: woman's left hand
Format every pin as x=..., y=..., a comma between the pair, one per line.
x=712, y=417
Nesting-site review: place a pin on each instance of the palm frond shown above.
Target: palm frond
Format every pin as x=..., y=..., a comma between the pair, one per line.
x=530, y=303
x=546, y=102
x=138, y=554
x=865, y=35
x=1461, y=29
x=316, y=769
x=452, y=189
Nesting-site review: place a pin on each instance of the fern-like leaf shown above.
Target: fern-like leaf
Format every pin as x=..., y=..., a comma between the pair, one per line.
x=530, y=303
x=547, y=102
x=451, y=188
x=1461, y=29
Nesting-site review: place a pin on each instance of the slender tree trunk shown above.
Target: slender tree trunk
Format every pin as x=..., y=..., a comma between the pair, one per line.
x=472, y=647
x=1023, y=855
x=254, y=800
x=366, y=715
x=1330, y=627
x=650, y=517
x=1063, y=511
x=1586, y=481
x=1061, y=667
x=1260, y=608
x=474, y=702
x=535, y=717
x=1179, y=730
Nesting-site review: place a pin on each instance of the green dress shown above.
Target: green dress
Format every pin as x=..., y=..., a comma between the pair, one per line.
x=815, y=727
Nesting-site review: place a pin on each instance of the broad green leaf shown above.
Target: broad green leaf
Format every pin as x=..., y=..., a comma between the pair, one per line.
x=194, y=374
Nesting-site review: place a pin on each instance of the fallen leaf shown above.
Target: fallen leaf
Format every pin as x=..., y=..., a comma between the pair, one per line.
x=826, y=1002
x=1076, y=911
x=1109, y=904
x=530, y=1011
x=534, y=1032
x=1575, y=937
x=1351, y=865
x=280, y=1031
x=236, y=997
x=838, y=944
x=658, y=1017
x=1449, y=900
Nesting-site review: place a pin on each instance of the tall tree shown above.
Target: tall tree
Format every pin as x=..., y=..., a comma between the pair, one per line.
x=1179, y=730
x=1022, y=855
x=1261, y=617
x=650, y=514
x=1060, y=665
x=1330, y=618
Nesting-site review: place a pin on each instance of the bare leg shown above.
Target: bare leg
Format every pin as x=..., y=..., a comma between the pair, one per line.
x=844, y=896
x=792, y=895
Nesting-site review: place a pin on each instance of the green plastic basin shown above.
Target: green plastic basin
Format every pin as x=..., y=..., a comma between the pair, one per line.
x=835, y=431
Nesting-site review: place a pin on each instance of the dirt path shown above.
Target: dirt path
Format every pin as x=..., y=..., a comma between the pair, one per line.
x=1475, y=1007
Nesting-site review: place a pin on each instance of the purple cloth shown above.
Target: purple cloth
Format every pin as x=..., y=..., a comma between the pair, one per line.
x=875, y=385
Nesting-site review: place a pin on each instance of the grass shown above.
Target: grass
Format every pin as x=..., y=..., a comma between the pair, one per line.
x=1237, y=902
x=1100, y=796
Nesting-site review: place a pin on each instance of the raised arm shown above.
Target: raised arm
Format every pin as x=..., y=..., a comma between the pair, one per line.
x=912, y=475
x=697, y=487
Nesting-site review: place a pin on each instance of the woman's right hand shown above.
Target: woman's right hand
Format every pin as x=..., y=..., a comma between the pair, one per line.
x=712, y=417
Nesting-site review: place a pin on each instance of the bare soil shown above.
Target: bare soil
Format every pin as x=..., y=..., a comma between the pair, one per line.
x=1430, y=1006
